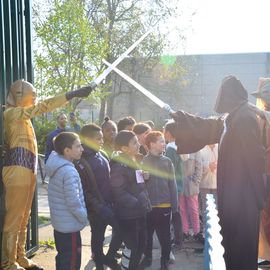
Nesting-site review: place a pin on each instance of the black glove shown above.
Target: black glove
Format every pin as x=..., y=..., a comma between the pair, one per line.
x=81, y=92
x=106, y=212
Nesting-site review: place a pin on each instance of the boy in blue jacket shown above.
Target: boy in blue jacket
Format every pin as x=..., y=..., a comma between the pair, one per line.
x=66, y=200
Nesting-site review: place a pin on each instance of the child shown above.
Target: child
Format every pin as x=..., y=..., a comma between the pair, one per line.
x=162, y=190
x=141, y=130
x=126, y=123
x=171, y=153
x=94, y=171
x=66, y=200
x=131, y=199
x=109, y=130
x=189, y=205
x=208, y=184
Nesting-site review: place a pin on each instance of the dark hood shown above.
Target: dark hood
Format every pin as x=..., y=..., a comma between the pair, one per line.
x=231, y=95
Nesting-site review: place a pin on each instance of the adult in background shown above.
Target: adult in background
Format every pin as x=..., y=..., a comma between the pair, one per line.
x=263, y=102
x=61, y=126
x=74, y=126
x=240, y=185
x=19, y=171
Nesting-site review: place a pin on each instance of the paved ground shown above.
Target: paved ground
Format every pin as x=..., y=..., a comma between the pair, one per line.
x=186, y=259
x=189, y=258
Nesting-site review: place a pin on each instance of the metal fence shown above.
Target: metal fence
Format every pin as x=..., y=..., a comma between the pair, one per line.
x=213, y=249
x=15, y=63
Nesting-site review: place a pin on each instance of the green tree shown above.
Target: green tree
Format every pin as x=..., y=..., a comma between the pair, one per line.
x=120, y=23
x=70, y=51
x=77, y=34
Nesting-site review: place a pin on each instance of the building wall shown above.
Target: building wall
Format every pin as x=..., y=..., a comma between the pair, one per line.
x=194, y=92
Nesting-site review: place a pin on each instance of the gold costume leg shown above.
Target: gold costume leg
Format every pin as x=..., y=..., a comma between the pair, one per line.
x=21, y=257
x=19, y=186
x=9, y=245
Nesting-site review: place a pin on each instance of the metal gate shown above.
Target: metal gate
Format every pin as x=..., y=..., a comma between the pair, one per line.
x=16, y=63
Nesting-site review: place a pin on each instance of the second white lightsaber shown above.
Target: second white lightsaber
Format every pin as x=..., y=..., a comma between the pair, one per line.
x=103, y=75
x=144, y=91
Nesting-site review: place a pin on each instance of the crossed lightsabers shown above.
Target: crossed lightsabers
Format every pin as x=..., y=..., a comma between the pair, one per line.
x=113, y=67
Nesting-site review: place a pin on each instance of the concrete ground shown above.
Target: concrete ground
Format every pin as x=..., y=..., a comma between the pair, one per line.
x=190, y=257
x=187, y=258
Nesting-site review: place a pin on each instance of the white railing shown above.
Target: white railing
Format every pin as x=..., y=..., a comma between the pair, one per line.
x=213, y=250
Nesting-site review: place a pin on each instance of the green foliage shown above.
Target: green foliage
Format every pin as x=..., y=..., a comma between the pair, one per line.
x=78, y=34
x=42, y=128
x=43, y=220
x=70, y=52
x=50, y=243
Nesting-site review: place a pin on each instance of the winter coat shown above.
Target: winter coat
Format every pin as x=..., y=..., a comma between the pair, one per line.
x=161, y=185
x=65, y=195
x=209, y=178
x=192, y=174
x=131, y=199
x=94, y=172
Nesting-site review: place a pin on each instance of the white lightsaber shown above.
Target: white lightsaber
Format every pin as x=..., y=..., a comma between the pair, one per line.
x=103, y=75
x=144, y=91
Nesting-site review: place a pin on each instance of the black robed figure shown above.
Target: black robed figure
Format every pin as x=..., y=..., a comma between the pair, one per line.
x=240, y=182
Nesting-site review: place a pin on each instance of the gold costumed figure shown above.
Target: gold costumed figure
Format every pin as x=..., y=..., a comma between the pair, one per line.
x=20, y=167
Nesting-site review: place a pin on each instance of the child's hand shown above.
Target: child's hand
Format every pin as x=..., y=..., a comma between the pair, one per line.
x=146, y=175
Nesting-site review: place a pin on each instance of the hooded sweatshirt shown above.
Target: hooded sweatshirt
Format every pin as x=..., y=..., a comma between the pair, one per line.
x=65, y=195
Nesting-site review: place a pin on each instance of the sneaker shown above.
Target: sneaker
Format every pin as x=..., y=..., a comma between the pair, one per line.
x=186, y=237
x=264, y=263
x=146, y=262
x=199, y=237
x=176, y=247
x=172, y=258
x=118, y=255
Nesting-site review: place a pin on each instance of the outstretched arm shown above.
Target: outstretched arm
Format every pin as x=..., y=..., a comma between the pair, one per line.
x=194, y=132
x=49, y=104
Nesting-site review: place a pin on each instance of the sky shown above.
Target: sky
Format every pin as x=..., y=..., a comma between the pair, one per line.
x=225, y=26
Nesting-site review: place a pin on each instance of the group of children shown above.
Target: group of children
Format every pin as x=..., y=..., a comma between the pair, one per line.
x=130, y=180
